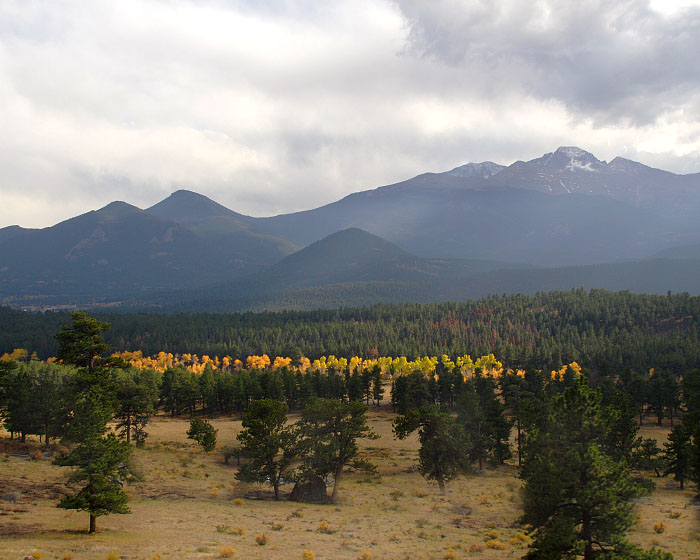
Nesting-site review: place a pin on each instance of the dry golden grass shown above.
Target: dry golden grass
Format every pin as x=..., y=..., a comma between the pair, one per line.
x=188, y=505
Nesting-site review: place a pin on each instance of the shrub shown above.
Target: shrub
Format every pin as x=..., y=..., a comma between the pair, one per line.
x=203, y=433
x=308, y=555
x=239, y=501
x=659, y=527
x=365, y=555
x=520, y=538
x=35, y=455
x=449, y=555
x=495, y=544
x=324, y=527
x=261, y=539
x=227, y=552
x=112, y=556
x=674, y=514
x=475, y=548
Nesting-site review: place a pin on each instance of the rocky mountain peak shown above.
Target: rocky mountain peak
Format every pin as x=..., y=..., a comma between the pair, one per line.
x=484, y=170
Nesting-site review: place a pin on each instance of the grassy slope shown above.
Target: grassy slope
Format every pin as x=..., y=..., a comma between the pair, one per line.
x=185, y=494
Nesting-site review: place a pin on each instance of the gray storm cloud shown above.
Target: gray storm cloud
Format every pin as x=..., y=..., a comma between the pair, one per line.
x=613, y=61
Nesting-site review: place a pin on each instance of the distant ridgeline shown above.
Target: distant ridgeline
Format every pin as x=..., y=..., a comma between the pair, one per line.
x=605, y=332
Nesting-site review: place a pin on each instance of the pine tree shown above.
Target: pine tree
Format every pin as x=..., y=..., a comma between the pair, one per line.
x=100, y=460
x=203, y=433
x=268, y=443
x=576, y=497
x=328, y=432
x=443, y=447
x=678, y=454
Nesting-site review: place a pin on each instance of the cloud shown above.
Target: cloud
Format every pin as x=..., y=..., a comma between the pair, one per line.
x=283, y=105
x=615, y=62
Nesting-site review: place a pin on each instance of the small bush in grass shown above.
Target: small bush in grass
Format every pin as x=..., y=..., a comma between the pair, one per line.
x=36, y=455
x=450, y=555
x=492, y=534
x=674, y=514
x=36, y=555
x=475, y=548
x=112, y=556
x=495, y=544
x=365, y=555
x=659, y=527
x=296, y=513
x=324, y=527
x=419, y=493
x=227, y=552
x=308, y=555
x=276, y=526
x=261, y=539
x=203, y=433
x=67, y=556
x=239, y=501
x=230, y=530
x=520, y=538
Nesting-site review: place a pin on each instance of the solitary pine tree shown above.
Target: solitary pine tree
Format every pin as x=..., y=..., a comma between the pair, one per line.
x=678, y=454
x=203, y=433
x=268, y=443
x=99, y=459
x=443, y=447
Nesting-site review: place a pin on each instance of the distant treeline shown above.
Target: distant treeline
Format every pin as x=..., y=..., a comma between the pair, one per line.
x=604, y=331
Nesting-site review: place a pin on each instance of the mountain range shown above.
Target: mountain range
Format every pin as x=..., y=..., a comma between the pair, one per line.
x=560, y=221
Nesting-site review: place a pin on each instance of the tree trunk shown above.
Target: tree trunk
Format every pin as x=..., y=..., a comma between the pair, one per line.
x=338, y=474
x=93, y=524
x=128, y=428
x=276, y=486
x=441, y=485
x=587, y=535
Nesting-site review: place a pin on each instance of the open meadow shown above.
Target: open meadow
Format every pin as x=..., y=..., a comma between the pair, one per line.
x=188, y=505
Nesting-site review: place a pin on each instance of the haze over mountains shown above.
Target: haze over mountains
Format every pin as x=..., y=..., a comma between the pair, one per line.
x=477, y=229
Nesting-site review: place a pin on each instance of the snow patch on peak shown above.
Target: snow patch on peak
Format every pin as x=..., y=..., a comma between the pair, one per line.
x=575, y=153
x=579, y=160
x=579, y=165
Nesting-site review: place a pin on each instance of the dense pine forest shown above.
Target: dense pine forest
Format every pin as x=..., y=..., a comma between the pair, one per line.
x=603, y=331
x=576, y=429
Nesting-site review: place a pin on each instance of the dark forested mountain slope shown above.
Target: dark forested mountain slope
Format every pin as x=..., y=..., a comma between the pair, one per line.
x=122, y=252
x=439, y=219
x=566, y=208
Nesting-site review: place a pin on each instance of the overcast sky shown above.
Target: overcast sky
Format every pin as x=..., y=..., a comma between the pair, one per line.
x=280, y=105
